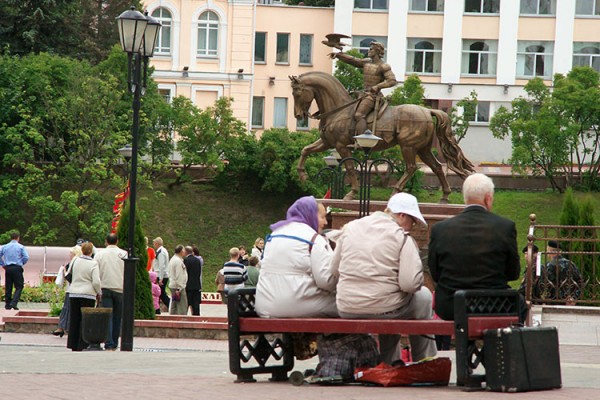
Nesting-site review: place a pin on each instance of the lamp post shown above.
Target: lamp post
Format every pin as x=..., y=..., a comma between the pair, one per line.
x=331, y=175
x=367, y=141
x=126, y=152
x=137, y=33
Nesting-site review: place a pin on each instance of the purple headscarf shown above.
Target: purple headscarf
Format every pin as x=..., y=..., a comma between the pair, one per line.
x=304, y=210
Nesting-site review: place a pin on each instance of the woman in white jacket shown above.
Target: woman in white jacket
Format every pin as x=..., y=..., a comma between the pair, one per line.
x=85, y=291
x=295, y=278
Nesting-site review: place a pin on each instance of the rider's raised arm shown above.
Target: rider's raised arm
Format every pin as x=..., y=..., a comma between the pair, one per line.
x=348, y=59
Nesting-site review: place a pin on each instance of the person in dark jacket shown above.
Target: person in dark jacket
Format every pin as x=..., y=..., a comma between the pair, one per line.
x=193, y=287
x=475, y=249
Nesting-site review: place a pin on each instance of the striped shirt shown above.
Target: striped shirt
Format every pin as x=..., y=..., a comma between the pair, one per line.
x=235, y=275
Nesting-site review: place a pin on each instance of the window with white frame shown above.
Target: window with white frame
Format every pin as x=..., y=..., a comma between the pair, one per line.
x=208, y=34
x=362, y=43
x=280, y=112
x=258, y=112
x=586, y=54
x=371, y=4
x=424, y=56
x=538, y=7
x=534, y=59
x=482, y=112
x=587, y=7
x=479, y=57
x=302, y=124
x=306, y=42
x=163, y=42
x=427, y=5
x=482, y=6
x=260, y=47
x=282, y=55
x=165, y=94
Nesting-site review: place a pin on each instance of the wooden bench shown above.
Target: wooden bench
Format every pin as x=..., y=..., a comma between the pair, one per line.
x=266, y=342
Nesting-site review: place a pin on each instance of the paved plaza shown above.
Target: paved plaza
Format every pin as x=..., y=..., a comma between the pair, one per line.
x=35, y=366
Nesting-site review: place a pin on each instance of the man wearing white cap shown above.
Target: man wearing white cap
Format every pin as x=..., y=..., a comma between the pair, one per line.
x=381, y=275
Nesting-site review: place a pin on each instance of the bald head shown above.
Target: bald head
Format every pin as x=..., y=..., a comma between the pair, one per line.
x=478, y=189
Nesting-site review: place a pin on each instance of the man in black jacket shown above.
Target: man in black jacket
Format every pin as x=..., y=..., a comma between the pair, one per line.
x=193, y=287
x=473, y=250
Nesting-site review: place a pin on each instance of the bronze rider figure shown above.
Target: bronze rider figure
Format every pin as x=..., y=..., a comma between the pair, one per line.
x=377, y=75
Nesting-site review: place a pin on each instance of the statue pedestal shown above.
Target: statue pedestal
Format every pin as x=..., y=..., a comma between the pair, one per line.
x=432, y=212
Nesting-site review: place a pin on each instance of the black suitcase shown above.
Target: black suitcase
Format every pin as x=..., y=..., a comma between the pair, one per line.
x=521, y=359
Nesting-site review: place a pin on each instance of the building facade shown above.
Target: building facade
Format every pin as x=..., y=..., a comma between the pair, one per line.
x=247, y=50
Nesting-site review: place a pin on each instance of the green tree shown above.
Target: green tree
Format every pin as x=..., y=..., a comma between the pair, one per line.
x=410, y=92
x=577, y=99
x=461, y=121
x=74, y=28
x=350, y=76
x=202, y=133
x=540, y=145
x=62, y=122
x=143, y=302
x=569, y=214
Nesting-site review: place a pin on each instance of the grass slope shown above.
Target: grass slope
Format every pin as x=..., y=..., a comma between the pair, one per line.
x=217, y=220
x=211, y=218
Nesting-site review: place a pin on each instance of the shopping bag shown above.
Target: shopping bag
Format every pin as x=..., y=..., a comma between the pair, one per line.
x=60, y=276
x=428, y=371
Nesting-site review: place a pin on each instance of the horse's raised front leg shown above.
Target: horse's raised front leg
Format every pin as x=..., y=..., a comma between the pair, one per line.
x=312, y=148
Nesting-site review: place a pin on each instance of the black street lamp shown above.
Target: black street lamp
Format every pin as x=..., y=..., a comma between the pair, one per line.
x=367, y=141
x=331, y=176
x=126, y=152
x=138, y=33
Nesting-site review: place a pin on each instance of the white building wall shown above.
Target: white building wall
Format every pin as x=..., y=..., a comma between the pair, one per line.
x=452, y=42
x=220, y=74
x=507, y=42
x=563, y=43
x=396, y=49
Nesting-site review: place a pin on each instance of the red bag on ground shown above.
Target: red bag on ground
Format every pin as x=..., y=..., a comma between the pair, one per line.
x=429, y=371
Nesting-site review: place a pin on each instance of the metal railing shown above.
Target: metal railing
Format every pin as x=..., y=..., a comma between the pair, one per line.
x=569, y=275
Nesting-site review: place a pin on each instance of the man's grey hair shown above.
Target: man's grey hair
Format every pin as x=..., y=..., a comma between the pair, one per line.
x=476, y=186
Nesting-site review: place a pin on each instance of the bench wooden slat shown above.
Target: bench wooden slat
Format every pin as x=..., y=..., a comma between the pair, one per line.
x=385, y=326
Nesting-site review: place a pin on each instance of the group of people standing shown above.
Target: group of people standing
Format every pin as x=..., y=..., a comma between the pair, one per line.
x=93, y=278
x=371, y=268
x=182, y=274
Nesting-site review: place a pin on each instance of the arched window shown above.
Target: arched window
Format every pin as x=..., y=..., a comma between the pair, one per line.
x=479, y=57
x=534, y=61
x=208, y=34
x=423, y=61
x=163, y=42
x=478, y=62
x=586, y=54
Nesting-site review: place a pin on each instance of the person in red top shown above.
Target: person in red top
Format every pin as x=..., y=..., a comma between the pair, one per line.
x=151, y=255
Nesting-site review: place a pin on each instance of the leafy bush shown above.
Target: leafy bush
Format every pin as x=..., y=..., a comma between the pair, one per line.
x=268, y=163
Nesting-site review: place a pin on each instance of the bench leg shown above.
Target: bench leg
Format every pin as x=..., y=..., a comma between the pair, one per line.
x=468, y=357
x=279, y=376
x=245, y=377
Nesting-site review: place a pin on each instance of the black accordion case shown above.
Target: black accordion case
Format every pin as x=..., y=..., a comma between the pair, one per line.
x=521, y=359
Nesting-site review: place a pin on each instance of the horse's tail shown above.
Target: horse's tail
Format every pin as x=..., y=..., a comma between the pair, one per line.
x=457, y=161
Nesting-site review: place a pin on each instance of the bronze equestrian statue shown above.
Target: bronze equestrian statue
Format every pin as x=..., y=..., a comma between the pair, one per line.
x=410, y=126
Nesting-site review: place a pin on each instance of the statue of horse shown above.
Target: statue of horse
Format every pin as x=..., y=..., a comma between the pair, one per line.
x=410, y=126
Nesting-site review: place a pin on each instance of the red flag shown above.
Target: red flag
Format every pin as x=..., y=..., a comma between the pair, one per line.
x=328, y=194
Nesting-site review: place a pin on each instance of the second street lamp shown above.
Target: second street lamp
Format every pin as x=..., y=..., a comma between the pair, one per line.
x=137, y=34
x=366, y=142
